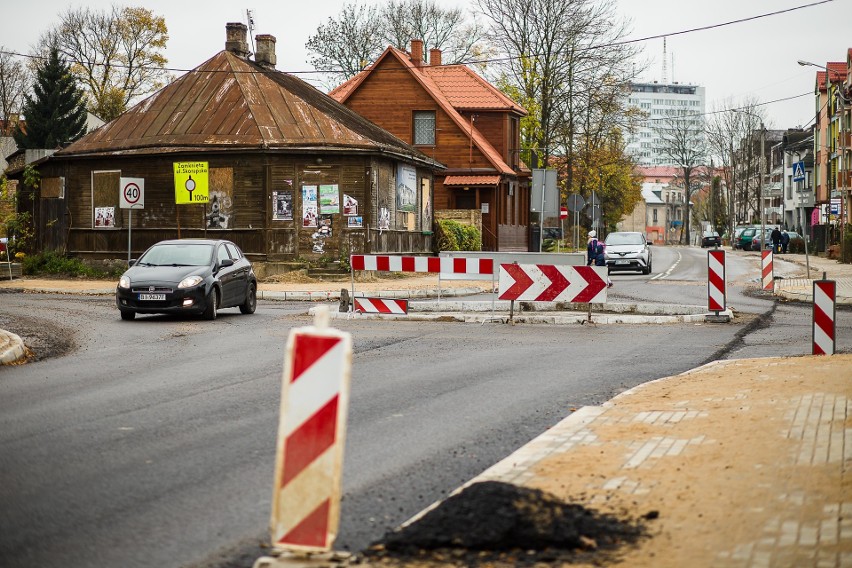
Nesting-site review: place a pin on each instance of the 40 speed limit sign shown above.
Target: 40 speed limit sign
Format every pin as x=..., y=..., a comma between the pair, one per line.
x=132, y=193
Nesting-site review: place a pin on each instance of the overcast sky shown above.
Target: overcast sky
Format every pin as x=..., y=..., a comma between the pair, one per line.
x=751, y=59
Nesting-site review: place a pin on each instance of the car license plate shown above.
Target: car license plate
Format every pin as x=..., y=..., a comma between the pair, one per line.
x=155, y=297
x=622, y=262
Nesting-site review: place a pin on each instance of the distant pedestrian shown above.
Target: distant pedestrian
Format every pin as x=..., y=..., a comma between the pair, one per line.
x=776, y=240
x=596, y=253
x=785, y=242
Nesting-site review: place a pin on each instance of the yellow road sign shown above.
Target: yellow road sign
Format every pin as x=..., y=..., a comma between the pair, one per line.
x=191, y=182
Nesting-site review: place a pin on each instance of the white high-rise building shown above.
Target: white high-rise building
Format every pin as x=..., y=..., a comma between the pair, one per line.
x=660, y=101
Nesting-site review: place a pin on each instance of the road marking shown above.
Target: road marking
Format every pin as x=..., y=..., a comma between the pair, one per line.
x=668, y=272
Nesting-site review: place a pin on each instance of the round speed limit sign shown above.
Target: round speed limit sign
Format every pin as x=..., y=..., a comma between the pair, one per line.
x=132, y=193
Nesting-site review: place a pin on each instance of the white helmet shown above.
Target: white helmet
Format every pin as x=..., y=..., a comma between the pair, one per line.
x=592, y=234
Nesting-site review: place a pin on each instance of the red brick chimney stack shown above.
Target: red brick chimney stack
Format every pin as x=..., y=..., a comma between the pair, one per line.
x=417, y=52
x=435, y=57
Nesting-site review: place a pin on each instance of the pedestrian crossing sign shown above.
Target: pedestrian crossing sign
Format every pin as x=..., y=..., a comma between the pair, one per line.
x=798, y=171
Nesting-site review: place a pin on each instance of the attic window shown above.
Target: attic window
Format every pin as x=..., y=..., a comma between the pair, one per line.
x=424, y=128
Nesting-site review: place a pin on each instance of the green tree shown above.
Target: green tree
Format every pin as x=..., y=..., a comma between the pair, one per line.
x=116, y=55
x=55, y=114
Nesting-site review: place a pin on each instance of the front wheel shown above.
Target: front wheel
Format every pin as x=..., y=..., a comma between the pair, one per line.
x=250, y=305
x=210, y=309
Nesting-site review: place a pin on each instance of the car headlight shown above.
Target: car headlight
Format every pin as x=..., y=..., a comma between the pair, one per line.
x=190, y=281
x=124, y=282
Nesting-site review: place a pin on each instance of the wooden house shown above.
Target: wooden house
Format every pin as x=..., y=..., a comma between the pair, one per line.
x=290, y=173
x=453, y=115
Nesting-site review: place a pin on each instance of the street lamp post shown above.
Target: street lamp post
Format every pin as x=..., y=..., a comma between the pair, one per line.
x=841, y=185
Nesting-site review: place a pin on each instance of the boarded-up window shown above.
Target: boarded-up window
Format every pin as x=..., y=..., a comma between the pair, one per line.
x=105, y=200
x=53, y=187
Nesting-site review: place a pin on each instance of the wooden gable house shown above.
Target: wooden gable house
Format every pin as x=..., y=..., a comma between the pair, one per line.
x=453, y=115
x=290, y=172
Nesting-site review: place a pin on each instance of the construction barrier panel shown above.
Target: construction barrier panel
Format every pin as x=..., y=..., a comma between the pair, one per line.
x=547, y=283
x=311, y=435
x=824, y=317
x=767, y=270
x=381, y=306
x=716, y=284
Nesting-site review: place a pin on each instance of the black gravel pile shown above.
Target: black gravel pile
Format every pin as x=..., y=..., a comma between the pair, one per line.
x=516, y=524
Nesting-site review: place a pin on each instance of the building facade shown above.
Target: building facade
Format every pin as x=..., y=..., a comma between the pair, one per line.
x=659, y=102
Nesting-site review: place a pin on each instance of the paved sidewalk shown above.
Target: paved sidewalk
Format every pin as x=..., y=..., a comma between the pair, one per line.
x=798, y=284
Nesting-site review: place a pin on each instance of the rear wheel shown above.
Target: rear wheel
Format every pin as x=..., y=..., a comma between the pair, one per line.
x=127, y=315
x=250, y=304
x=212, y=305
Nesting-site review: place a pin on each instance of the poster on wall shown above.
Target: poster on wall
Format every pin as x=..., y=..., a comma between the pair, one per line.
x=355, y=222
x=406, y=189
x=282, y=205
x=322, y=233
x=350, y=205
x=384, y=219
x=309, y=206
x=426, y=206
x=104, y=216
x=329, y=198
x=220, y=203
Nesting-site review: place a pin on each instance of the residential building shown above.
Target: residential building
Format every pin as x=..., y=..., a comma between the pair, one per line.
x=662, y=210
x=660, y=101
x=291, y=173
x=798, y=200
x=453, y=115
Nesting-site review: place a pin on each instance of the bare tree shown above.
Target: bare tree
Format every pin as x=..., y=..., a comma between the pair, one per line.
x=682, y=143
x=116, y=55
x=346, y=43
x=13, y=84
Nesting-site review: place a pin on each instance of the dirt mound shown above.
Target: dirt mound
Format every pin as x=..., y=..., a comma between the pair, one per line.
x=494, y=521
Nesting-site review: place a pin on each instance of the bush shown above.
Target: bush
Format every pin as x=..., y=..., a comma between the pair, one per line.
x=55, y=264
x=797, y=246
x=452, y=235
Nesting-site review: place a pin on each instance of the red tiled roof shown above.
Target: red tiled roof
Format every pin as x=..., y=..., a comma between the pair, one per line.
x=463, y=86
x=838, y=73
x=658, y=172
x=471, y=180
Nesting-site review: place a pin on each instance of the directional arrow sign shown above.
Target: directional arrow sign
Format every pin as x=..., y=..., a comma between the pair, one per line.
x=547, y=283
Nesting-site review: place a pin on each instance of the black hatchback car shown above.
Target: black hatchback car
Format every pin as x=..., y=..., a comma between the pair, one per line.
x=187, y=276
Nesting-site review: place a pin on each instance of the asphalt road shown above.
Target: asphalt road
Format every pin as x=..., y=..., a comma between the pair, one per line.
x=151, y=443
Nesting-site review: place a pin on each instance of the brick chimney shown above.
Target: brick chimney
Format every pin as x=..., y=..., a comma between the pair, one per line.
x=435, y=57
x=417, y=52
x=235, y=39
x=265, y=55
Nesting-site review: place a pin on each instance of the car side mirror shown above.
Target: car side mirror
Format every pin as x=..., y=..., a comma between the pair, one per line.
x=226, y=263
x=131, y=262
x=649, y=243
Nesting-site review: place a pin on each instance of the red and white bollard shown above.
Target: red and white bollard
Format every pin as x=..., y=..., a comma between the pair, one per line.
x=824, y=338
x=768, y=271
x=716, y=285
x=311, y=436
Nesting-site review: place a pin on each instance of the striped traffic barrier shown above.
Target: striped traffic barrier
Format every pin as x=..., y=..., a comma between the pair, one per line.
x=386, y=263
x=716, y=285
x=311, y=436
x=767, y=271
x=824, y=313
x=381, y=306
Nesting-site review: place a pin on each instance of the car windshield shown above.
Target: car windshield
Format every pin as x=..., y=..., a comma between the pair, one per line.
x=196, y=254
x=625, y=239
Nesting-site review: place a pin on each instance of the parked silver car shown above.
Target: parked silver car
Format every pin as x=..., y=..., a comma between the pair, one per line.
x=628, y=251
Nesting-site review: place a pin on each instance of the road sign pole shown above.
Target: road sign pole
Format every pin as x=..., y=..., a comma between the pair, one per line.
x=129, y=229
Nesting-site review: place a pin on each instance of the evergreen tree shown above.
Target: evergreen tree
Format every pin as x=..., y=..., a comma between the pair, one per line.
x=56, y=114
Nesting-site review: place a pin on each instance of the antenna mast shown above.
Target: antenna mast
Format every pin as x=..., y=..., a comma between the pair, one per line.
x=250, y=18
x=665, y=74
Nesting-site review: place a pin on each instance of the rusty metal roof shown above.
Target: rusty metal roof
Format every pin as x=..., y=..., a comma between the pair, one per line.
x=232, y=103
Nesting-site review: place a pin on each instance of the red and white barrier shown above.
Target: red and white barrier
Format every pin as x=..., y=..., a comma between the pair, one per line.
x=716, y=284
x=381, y=306
x=825, y=296
x=385, y=263
x=311, y=435
x=767, y=270
x=547, y=283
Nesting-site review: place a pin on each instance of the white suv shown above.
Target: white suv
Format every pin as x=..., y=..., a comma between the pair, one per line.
x=628, y=251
